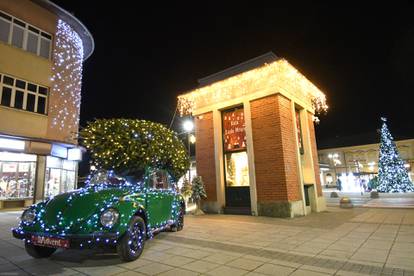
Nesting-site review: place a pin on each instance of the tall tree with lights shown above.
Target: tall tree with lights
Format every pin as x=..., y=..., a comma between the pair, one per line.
x=127, y=146
x=392, y=175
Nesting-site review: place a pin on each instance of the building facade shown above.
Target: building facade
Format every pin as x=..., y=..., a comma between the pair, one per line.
x=42, y=49
x=255, y=139
x=354, y=166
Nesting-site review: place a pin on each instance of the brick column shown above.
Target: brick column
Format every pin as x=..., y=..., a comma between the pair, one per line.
x=204, y=130
x=314, y=154
x=275, y=150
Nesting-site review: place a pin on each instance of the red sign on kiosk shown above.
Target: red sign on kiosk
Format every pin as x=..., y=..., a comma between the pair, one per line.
x=234, y=133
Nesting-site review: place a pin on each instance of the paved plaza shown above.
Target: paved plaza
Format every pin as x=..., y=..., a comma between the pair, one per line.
x=359, y=241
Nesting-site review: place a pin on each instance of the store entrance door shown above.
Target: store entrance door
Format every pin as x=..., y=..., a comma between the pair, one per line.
x=236, y=168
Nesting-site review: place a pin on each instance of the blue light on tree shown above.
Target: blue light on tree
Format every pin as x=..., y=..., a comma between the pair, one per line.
x=392, y=175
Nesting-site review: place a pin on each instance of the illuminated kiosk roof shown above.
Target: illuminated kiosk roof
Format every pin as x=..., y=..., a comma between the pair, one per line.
x=259, y=77
x=250, y=64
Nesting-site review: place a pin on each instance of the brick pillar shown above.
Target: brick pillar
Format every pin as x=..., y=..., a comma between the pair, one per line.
x=314, y=154
x=205, y=158
x=275, y=155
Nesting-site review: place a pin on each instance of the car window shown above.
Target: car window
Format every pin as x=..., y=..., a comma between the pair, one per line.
x=159, y=180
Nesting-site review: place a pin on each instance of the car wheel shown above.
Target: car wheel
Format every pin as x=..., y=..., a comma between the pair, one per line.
x=39, y=251
x=179, y=225
x=132, y=243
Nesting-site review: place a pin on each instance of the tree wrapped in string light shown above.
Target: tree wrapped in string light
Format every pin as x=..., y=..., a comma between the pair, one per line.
x=392, y=175
x=128, y=146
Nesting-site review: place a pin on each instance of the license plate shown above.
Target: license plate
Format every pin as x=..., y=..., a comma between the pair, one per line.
x=50, y=242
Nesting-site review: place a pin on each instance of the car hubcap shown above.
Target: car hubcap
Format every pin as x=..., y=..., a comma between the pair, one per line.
x=136, y=238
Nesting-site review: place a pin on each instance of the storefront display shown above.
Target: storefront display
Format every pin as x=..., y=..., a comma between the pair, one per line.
x=17, y=175
x=60, y=176
x=237, y=170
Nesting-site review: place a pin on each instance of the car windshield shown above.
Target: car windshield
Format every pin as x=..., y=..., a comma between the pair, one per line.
x=110, y=178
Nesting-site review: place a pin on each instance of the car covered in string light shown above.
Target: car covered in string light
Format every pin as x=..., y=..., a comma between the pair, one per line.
x=116, y=214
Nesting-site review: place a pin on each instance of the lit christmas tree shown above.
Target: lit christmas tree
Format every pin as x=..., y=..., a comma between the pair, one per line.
x=198, y=192
x=127, y=146
x=392, y=175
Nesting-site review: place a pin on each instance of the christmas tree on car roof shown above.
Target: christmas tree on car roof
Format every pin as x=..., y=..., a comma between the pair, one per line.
x=392, y=175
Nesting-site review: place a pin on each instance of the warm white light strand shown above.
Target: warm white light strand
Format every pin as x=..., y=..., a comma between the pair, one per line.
x=276, y=75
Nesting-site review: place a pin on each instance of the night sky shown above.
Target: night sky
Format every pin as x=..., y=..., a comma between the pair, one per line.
x=361, y=58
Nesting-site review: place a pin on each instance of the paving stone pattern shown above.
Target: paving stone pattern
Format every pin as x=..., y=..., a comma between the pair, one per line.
x=359, y=241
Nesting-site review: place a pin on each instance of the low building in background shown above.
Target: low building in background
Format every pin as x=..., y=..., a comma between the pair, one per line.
x=255, y=139
x=42, y=49
x=349, y=163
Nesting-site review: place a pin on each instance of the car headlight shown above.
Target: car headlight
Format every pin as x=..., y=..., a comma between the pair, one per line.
x=109, y=217
x=28, y=216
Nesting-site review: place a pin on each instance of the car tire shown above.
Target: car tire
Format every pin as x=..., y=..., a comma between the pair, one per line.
x=179, y=225
x=39, y=251
x=131, y=245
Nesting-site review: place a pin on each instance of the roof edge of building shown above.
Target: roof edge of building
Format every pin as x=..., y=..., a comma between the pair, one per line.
x=86, y=36
x=238, y=69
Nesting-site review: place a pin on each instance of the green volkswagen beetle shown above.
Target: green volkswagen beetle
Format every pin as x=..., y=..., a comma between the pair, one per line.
x=120, y=215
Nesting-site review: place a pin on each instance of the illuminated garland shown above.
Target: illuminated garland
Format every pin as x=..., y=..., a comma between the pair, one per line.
x=278, y=75
x=127, y=145
x=66, y=79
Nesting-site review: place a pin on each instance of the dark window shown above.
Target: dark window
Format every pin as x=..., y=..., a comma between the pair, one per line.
x=43, y=90
x=31, y=45
x=6, y=97
x=21, y=84
x=17, y=38
x=5, y=16
x=30, y=103
x=44, y=48
x=47, y=36
x=8, y=80
x=18, y=99
x=18, y=22
x=31, y=87
x=4, y=31
x=34, y=29
x=41, y=105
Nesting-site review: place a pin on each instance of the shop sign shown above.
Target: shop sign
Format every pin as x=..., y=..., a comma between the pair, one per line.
x=12, y=144
x=234, y=133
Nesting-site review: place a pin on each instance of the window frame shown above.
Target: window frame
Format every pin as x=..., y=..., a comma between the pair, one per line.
x=26, y=29
x=26, y=93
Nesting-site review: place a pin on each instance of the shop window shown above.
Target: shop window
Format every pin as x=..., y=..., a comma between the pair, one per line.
x=237, y=169
x=60, y=176
x=17, y=175
x=299, y=132
x=234, y=147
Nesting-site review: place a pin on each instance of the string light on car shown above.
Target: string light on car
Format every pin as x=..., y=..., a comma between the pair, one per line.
x=63, y=228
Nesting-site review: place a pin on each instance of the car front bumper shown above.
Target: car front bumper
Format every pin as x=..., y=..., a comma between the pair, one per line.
x=97, y=239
